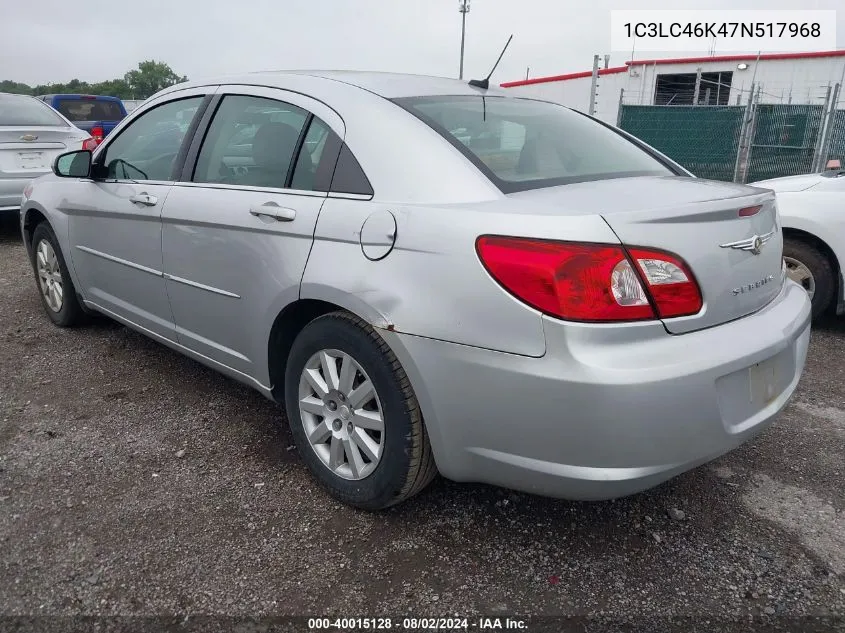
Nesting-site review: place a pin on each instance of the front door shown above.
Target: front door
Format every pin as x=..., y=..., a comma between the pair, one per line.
x=115, y=222
x=238, y=231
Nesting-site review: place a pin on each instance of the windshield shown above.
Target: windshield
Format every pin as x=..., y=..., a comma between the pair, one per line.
x=89, y=110
x=27, y=111
x=522, y=144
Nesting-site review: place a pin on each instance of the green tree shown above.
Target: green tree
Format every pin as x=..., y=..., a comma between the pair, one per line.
x=150, y=77
x=15, y=87
x=113, y=88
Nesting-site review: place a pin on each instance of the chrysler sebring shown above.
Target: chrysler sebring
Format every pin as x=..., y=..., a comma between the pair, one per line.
x=432, y=276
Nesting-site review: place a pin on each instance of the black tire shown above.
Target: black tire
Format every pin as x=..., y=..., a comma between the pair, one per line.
x=821, y=268
x=406, y=465
x=71, y=313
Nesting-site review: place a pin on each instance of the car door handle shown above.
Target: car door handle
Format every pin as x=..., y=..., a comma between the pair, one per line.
x=273, y=210
x=144, y=198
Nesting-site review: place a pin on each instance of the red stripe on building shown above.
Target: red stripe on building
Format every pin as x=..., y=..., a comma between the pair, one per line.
x=677, y=60
x=543, y=80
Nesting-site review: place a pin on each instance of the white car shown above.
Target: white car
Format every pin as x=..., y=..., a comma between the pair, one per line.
x=812, y=211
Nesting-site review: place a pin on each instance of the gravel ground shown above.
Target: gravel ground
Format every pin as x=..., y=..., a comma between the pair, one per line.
x=136, y=482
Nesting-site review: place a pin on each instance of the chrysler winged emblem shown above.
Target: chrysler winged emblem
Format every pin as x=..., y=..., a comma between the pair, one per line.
x=753, y=244
x=29, y=137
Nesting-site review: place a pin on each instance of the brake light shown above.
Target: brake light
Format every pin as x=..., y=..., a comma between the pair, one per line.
x=97, y=134
x=590, y=282
x=670, y=282
x=90, y=144
x=747, y=212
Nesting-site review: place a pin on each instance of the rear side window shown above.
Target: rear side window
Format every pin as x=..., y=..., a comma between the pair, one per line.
x=305, y=172
x=89, y=109
x=251, y=142
x=522, y=144
x=20, y=110
x=348, y=175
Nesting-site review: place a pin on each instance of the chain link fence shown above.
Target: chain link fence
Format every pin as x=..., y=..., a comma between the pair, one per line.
x=743, y=143
x=686, y=135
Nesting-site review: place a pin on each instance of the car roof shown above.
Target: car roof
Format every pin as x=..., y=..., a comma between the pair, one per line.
x=81, y=95
x=384, y=84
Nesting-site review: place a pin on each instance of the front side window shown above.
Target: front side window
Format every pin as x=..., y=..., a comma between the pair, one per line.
x=522, y=144
x=252, y=142
x=147, y=148
x=24, y=111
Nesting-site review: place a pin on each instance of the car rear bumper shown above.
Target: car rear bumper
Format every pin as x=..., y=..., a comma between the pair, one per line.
x=609, y=410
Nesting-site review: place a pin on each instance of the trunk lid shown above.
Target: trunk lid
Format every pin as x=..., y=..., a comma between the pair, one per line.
x=697, y=220
x=790, y=183
x=29, y=150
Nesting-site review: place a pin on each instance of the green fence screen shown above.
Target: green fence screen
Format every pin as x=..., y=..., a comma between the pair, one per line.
x=705, y=140
x=837, y=137
x=784, y=140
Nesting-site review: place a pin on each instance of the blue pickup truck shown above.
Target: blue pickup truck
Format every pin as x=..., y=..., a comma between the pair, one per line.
x=97, y=115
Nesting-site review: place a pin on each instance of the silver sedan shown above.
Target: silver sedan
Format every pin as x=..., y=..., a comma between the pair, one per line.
x=433, y=276
x=32, y=134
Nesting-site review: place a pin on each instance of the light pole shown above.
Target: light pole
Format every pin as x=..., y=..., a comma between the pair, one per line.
x=463, y=7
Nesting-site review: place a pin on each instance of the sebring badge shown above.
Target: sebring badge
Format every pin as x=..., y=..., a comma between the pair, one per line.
x=749, y=287
x=753, y=244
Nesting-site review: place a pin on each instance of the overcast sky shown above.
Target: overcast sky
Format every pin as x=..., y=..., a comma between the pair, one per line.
x=57, y=40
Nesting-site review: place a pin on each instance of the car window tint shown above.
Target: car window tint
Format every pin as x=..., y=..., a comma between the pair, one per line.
x=89, y=109
x=21, y=110
x=349, y=177
x=250, y=142
x=309, y=156
x=523, y=144
x=147, y=148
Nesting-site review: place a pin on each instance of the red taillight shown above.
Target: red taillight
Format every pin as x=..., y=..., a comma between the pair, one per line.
x=97, y=133
x=670, y=282
x=590, y=282
x=90, y=144
x=747, y=212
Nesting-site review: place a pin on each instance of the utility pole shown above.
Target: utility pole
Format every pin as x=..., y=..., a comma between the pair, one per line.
x=594, y=85
x=697, y=87
x=463, y=7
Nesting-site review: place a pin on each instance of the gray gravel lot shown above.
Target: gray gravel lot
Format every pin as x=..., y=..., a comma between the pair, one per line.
x=134, y=481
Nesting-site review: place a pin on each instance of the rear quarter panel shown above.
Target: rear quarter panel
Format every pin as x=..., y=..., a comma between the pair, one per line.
x=432, y=283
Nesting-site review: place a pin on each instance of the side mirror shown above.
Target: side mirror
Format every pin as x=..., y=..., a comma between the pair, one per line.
x=73, y=164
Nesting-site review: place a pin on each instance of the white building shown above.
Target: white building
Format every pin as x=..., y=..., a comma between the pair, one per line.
x=725, y=80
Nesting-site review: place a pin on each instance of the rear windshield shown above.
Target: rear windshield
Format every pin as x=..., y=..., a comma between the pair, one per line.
x=522, y=144
x=27, y=111
x=89, y=110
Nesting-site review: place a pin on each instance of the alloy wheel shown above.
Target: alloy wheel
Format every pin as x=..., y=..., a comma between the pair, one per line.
x=49, y=275
x=800, y=274
x=341, y=414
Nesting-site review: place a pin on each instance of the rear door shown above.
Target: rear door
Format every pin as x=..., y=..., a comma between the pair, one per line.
x=237, y=231
x=115, y=222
